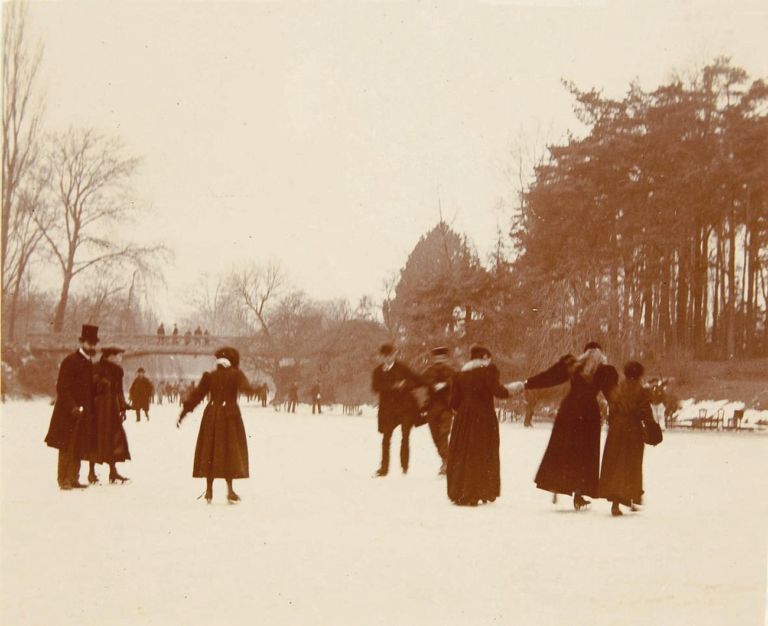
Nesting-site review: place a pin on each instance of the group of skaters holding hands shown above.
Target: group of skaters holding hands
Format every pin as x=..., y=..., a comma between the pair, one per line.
x=460, y=411
x=90, y=408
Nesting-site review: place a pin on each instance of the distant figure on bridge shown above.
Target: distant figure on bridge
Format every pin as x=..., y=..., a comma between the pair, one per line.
x=73, y=411
x=175, y=334
x=315, y=393
x=140, y=393
x=206, y=337
x=161, y=334
x=263, y=392
x=198, y=336
x=187, y=337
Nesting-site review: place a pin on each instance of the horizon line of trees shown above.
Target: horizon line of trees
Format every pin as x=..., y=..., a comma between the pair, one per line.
x=648, y=233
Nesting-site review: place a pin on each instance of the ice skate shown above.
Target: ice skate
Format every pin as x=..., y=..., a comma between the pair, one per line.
x=113, y=478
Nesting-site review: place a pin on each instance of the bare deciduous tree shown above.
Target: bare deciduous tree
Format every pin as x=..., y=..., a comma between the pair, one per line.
x=258, y=287
x=22, y=112
x=90, y=179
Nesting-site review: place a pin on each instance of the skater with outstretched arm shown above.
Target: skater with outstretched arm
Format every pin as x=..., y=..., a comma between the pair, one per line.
x=571, y=462
x=222, y=448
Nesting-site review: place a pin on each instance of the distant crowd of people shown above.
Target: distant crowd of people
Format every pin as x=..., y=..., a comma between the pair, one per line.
x=198, y=337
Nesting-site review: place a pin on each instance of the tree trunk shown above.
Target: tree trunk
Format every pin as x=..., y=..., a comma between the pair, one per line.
x=731, y=304
x=61, y=307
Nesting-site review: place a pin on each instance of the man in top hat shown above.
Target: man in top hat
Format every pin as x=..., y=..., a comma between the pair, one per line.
x=394, y=381
x=438, y=377
x=73, y=411
x=140, y=392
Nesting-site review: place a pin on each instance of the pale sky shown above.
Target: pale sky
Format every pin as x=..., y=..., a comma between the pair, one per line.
x=320, y=134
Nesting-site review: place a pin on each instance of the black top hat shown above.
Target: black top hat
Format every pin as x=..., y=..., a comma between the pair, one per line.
x=111, y=351
x=386, y=349
x=229, y=353
x=439, y=351
x=89, y=333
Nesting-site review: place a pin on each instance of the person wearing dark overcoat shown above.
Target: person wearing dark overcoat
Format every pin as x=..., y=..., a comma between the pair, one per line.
x=140, y=393
x=222, y=448
x=621, y=473
x=473, y=472
x=71, y=422
x=111, y=443
x=394, y=381
x=571, y=462
x=438, y=378
x=315, y=393
x=293, y=397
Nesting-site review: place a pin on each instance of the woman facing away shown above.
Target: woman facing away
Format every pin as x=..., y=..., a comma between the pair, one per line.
x=473, y=454
x=571, y=462
x=621, y=475
x=222, y=449
x=110, y=443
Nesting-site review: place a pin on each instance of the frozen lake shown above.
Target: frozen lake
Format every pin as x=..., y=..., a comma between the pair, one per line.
x=316, y=540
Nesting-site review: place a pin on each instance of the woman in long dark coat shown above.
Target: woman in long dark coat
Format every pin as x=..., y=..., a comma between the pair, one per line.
x=473, y=453
x=621, y=475
x=110, y=441
x=571, y=462
x=222, y=449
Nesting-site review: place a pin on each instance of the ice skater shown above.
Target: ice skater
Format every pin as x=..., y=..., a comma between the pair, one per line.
x=111, y=443
x=140, y=393
x=473, y=458
x=621, y=474
x=222, y=448
x=393, y=381
x=72, y=418
x=438, y=377
x=571, y=462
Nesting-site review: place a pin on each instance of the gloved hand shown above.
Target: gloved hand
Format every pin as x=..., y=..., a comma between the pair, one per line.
x=182, y=415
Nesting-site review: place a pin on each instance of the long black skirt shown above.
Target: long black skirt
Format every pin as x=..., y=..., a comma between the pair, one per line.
x=473, y=459
x=222, y=448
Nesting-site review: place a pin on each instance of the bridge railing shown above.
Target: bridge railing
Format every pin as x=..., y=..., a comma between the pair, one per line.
x=133, y=343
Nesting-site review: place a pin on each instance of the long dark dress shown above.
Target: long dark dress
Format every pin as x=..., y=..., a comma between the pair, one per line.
x=473, y=453
x=571, y=461
x=222, y=449
x=110, y=442
x=621, y=475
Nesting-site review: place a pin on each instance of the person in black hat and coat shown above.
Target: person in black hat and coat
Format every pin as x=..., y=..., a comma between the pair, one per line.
x=111, y=443
x=71, y=421
x=621, y=474
x=140, y=394
x=438, y=378
x=473, y=455
x=393, y=381
x=571, y=462
x=222, y=448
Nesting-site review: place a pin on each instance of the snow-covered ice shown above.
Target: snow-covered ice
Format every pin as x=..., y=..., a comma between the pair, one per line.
x=316, y=540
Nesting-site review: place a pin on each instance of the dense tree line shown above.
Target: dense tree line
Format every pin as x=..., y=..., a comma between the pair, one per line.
x=652, y=229
x=648, y=233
